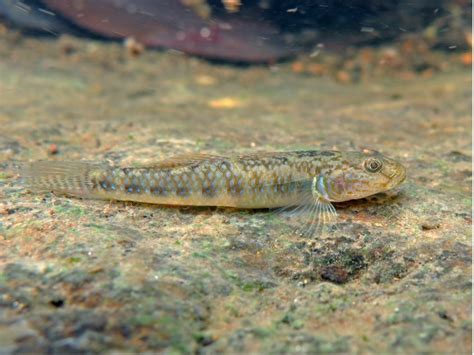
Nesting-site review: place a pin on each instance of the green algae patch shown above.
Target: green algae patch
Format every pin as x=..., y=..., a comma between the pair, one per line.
x=70, y=211
x=4, y=175
x=74, y=260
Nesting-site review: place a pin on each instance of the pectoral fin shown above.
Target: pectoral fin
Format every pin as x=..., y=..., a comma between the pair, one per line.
x=312, y=215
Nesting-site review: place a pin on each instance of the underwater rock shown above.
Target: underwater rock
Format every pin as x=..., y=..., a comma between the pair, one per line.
x=163, y=24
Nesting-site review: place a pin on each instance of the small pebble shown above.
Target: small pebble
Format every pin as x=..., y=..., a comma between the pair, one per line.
x=224, y=103
x=466, y=59
x=334, y=274
x=205, y=80
x=430, y=224
x=53, y=149
x=343, y=76
x=133, y=47
x=298, y=67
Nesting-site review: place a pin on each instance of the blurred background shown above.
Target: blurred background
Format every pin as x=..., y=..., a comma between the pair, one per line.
x=253, y=31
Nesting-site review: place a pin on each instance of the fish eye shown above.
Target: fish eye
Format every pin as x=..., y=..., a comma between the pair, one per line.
x=373, y=165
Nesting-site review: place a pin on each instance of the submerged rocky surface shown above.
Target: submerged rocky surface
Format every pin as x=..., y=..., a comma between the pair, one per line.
x=86, y=275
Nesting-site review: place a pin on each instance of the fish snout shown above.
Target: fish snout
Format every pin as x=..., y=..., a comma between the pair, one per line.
x=397, y=175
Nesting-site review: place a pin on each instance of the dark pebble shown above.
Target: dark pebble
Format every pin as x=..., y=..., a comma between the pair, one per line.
x=430, y=224
x=335, y=274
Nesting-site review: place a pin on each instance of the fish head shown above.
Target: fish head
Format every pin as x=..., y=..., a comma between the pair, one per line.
x=361, y=174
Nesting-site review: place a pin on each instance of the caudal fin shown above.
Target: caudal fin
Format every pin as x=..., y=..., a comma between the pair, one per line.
x=70, y=178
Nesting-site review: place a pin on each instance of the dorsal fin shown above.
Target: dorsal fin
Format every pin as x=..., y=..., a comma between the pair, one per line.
x=260, y=155
x=188, y=159
x=183, y=160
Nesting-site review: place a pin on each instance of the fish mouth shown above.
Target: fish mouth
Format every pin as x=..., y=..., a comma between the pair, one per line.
x=397, y=178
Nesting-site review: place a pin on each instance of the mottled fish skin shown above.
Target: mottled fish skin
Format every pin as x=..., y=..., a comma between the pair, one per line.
x=263, y=180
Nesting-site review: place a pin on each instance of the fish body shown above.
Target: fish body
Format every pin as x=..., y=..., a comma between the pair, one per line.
x=262, y=180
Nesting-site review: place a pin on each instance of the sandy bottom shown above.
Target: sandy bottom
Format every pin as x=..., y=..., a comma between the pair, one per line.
x=82, y=275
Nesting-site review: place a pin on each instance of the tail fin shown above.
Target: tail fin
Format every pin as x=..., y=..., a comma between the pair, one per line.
x=69, y=178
